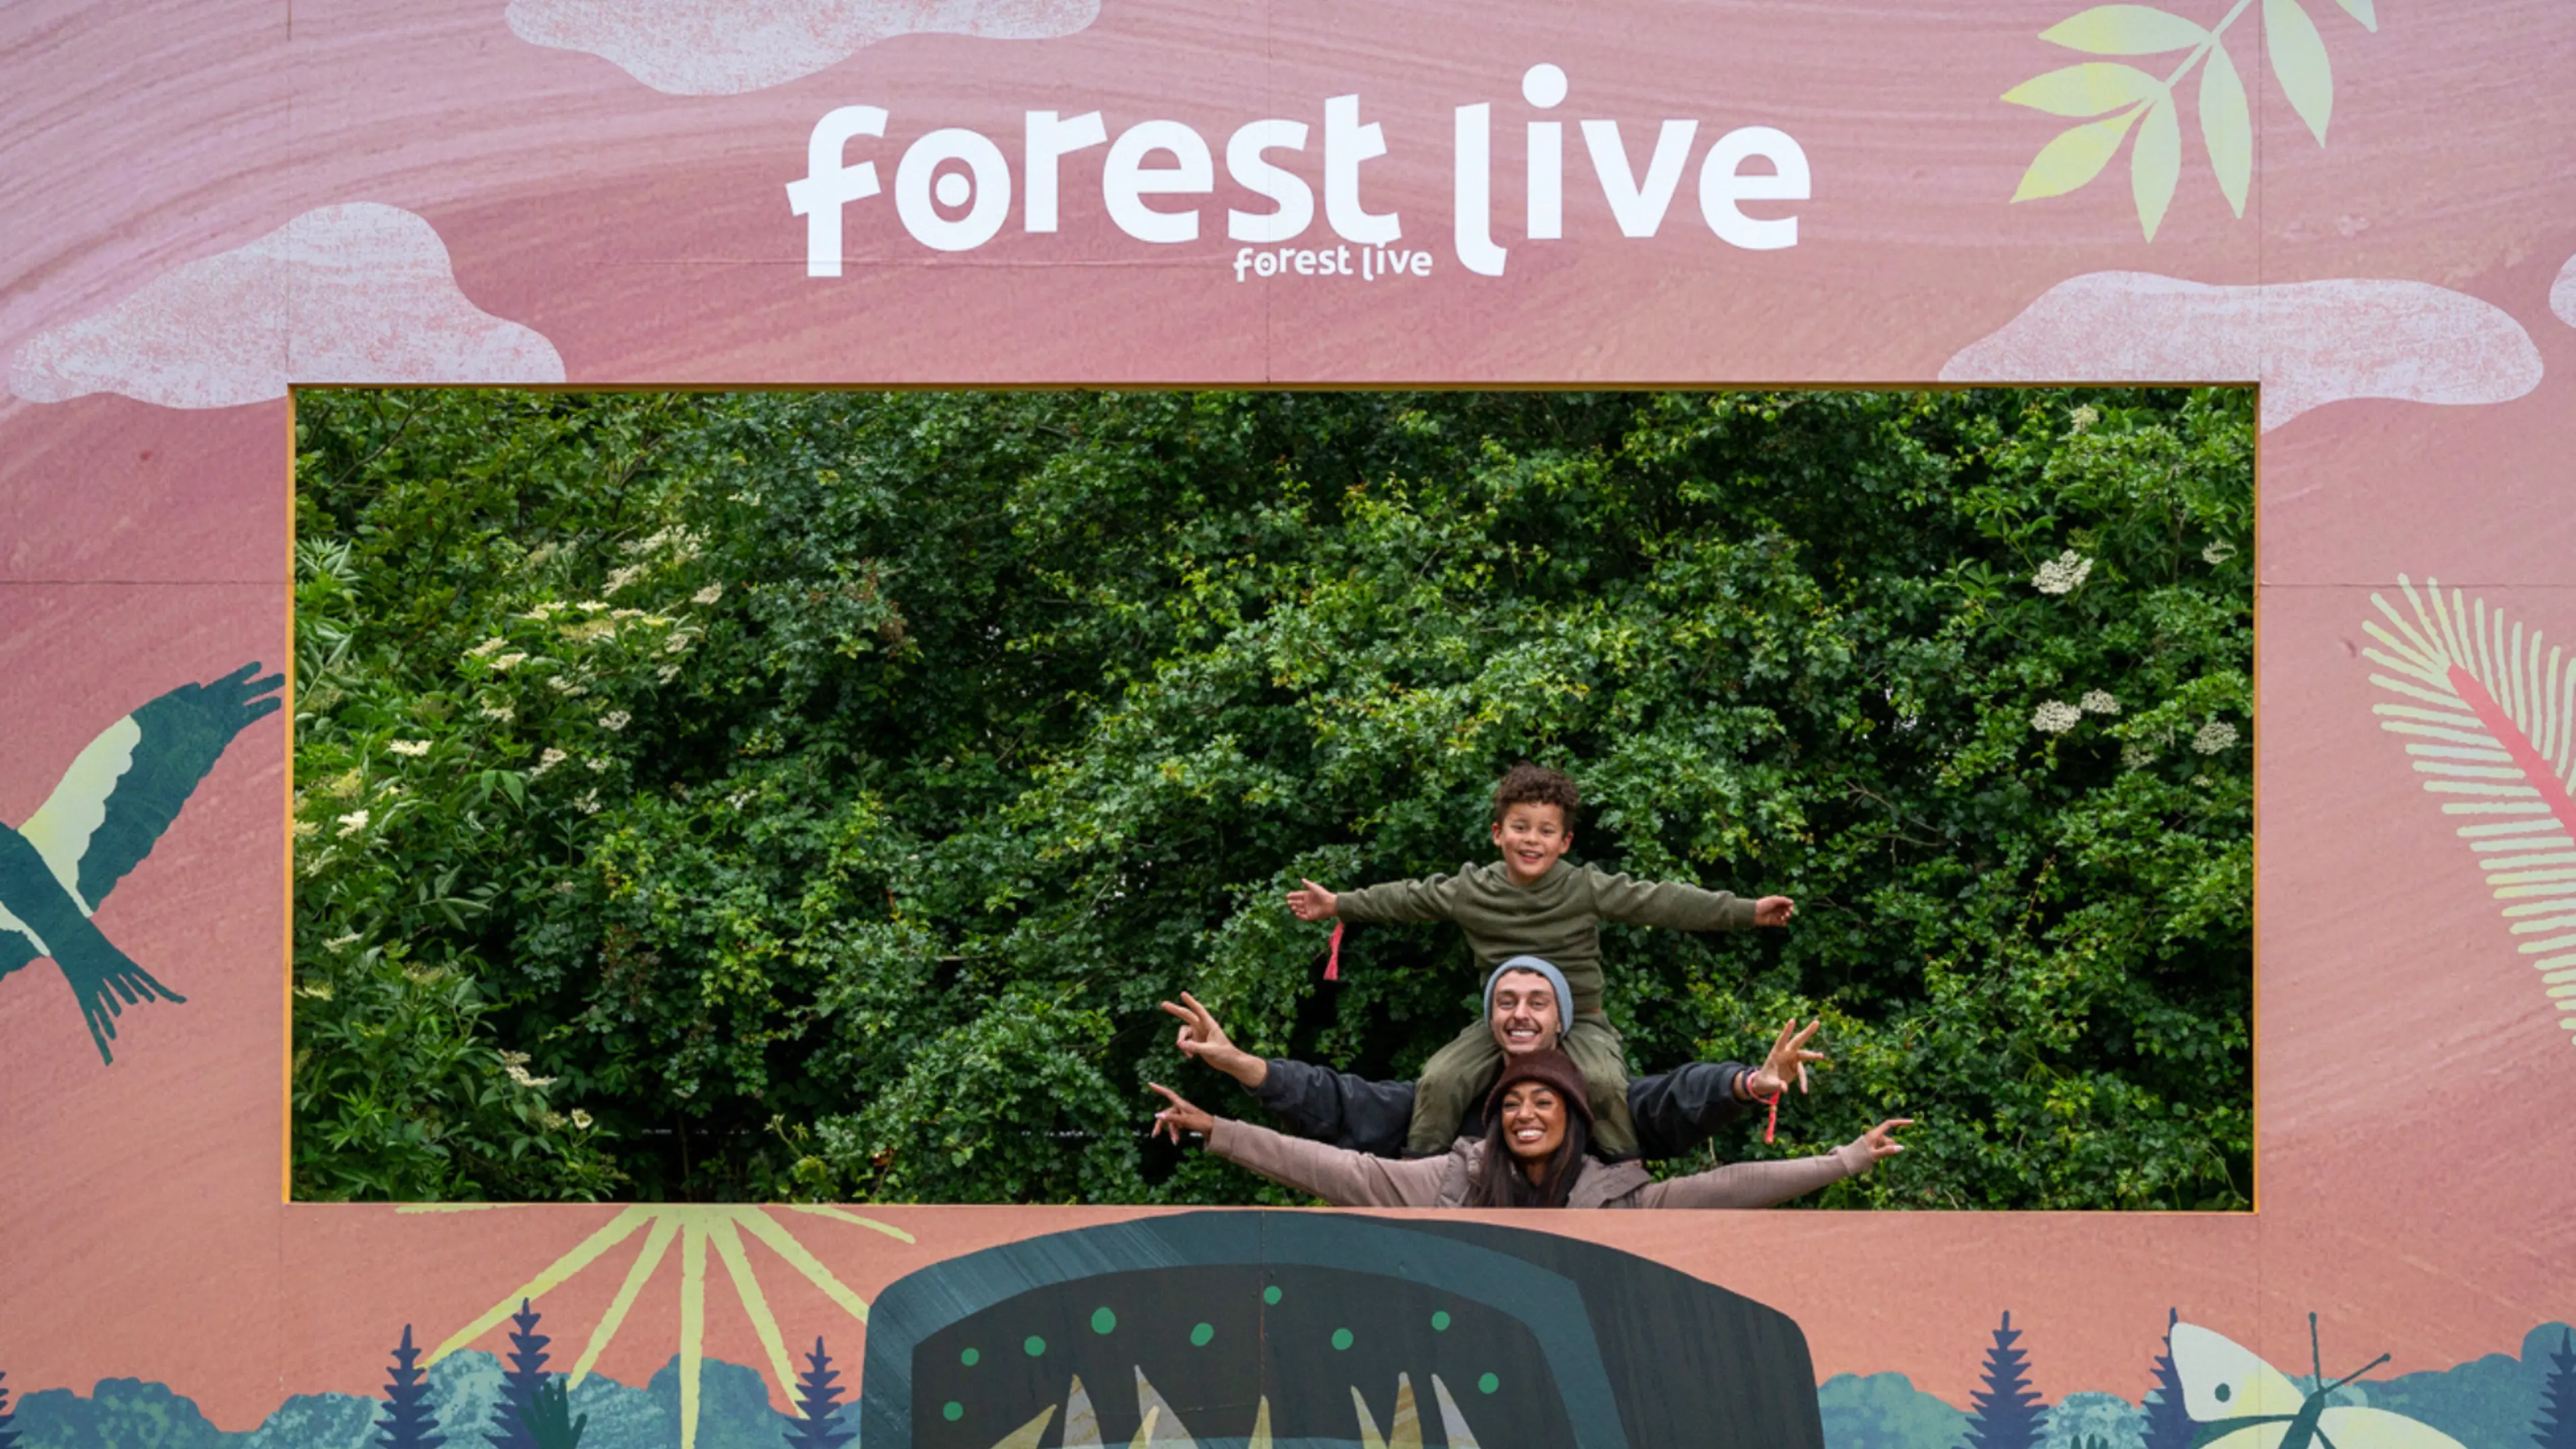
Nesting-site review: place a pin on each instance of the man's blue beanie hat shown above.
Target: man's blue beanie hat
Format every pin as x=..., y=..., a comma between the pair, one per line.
x=1555, y=978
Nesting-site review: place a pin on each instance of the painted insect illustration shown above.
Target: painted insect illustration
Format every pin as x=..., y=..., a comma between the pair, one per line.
x=122, y=791
x=2241, y=1402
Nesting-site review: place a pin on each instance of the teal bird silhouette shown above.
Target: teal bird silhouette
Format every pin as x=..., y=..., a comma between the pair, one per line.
x=120, y=793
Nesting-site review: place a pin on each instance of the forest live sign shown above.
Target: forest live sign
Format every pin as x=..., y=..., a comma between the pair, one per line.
x=954, y=187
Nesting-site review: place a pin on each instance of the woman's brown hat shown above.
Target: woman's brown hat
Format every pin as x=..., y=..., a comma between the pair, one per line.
x=1554, y=1069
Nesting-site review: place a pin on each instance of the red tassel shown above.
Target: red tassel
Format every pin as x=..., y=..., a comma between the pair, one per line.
x=1333, y=965
x=1773, y=1125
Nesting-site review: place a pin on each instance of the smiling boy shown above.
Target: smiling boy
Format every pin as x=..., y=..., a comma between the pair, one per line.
x=1532, y=903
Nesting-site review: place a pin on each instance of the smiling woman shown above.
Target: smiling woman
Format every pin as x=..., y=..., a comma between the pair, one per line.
x=813, y=794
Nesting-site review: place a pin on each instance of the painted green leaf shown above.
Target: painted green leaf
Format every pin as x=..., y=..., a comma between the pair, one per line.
x=2125, y=30
x=2093, y=88
x=2226, y=126
x=2299, y=63
x=2075, y=156
x=2155, y=164
x=2362, y=11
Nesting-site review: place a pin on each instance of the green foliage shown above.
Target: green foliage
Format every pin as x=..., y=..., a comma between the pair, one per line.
x=822, y=789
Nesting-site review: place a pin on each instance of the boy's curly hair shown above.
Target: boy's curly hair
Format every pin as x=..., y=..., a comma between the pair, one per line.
x=1528, y=784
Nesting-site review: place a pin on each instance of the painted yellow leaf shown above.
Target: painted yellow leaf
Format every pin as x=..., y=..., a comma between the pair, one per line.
x=2155, y=164
x=2076, y=155
x=2125, y=30
x=2093, y=88
x=2299, y=63
x=2226, y=126
x=2362, y=11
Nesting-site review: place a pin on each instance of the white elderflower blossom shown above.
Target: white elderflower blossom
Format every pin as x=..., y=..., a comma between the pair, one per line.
x=408, y=749
x=2099, y=701
x=707, y=595
x=621, y=577
x=588, y=804
x=581, y=1119
x=593, y=606
x=337, y=943
x=545, y=611
x=666, y=673
x=502, y=712
x=595, y=766
x=509, y=661
x=679, y=643
x=2055, y=717
x=614, y=720
x=2063, y=574
x=563, y=685
x=352, y=823
x=626, y=613
x=547, y=761
x=2218, y=553
x=307, y=829
x=484, y=649
x=2214, y=737
x=2083, y=417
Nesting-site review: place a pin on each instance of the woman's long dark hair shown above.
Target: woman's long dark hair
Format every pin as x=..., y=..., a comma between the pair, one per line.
x=1499, y=1183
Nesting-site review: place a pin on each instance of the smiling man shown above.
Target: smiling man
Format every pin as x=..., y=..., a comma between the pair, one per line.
x=1674, y=1111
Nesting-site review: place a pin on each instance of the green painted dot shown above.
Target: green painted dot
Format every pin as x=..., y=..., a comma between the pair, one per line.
x=952, y=1411
x=1270, y=1294
x=968, y=1357
x=1200, y=1335
x=1488, y=1384
x=1439, y=1322
x=1341, y=1338
x=1102, y=1320
x=1033, y=1345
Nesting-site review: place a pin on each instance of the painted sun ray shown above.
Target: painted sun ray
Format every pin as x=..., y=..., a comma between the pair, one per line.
x=728, y=1244
x=656, y=1244
x=1027, y=1435
x=617, y=1230
x=2496, y=742
x=784, y=1244
x=693, y=1325
x=826, y=1210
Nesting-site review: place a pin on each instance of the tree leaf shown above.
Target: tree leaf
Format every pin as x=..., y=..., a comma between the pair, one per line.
x=2093, y=88
x=2226, y=126
x=2155, y=164
x=2299, y=63
x=2362, y=11
x=2125, y=30
x=2076, y=155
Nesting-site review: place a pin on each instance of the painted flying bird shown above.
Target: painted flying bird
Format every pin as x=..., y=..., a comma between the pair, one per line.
x=120, y=793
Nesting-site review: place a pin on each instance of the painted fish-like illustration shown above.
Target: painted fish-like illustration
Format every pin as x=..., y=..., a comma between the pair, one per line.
x=121, y=792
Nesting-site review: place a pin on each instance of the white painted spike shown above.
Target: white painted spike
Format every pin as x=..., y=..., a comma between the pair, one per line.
x=1163, y=1428
x=1081, y=1425
x=1453, y=1424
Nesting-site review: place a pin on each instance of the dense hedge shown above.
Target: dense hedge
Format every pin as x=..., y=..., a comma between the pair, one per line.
x=811, y=795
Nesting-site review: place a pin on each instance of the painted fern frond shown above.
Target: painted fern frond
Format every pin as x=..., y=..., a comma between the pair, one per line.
x=2489, y=722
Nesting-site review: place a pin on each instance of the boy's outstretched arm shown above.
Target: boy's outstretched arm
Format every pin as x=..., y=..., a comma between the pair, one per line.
x=1774, y=911
x=1682, y=907
x=1314, y=903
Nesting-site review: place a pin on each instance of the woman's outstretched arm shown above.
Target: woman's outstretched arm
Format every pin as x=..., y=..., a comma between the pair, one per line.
x=1768, y=1184
x=1337, y=1175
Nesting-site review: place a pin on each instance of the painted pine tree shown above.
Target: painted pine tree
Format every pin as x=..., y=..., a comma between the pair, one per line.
x=409, y=1422
x=817, y=1395
x=520, y=1381
x=8, y=1435
x=2007, y=1410
x=2169, y=1424
x=2556, y=1426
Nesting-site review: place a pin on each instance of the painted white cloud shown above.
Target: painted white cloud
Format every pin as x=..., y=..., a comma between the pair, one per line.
x=2310, y=343
x=358, y=293
x=726, y=47
x=2562, y=293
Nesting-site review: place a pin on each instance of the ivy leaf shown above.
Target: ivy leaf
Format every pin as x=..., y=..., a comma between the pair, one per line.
x=2299, y=63
x=2362, y=11
x=2155, y=164
x=2076, y=155
x=2226, y=126
x=2093, y=88
x=2125, y=30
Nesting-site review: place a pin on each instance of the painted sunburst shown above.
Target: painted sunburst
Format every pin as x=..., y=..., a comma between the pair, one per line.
x=697, y=1227
x=2490, y=722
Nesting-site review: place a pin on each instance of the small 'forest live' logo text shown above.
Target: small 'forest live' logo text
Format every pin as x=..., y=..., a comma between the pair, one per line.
x=954, y=187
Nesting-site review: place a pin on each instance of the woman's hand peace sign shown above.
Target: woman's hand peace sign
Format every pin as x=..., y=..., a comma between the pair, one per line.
x=1880, y=1141
x=1179, y=1117
x=1788, y=1061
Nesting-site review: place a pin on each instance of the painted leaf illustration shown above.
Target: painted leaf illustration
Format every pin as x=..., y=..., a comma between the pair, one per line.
x=2125, y=30
x=2361, y=10
x=2491, y=727
x=2076, y=155
x=2299, y=63
x=2155, y=164
x=2093, y=88
x=2226, y=126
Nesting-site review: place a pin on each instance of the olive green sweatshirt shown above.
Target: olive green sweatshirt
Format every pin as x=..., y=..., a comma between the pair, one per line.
x=1557, y=919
